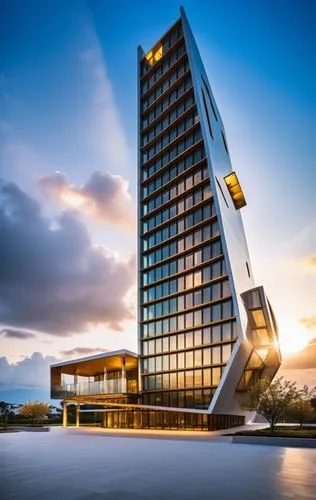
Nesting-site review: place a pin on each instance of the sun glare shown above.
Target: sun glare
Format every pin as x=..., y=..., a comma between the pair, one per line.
x=292, y=339
x=72, y=199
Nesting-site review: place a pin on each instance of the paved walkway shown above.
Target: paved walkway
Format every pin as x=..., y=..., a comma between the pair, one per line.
x=65, y=464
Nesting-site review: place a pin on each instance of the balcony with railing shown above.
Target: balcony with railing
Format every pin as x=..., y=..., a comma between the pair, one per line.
x=110, y=373
x=102, y=387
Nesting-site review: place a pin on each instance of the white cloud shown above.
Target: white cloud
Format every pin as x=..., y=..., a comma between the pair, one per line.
x=32, y=371
x=104, y=196
x=77, y=352
x=52, y=279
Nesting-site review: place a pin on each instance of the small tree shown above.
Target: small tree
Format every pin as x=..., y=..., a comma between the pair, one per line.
x=271, y=400
x=5, y=411
x=34, y=410
x=302, y=409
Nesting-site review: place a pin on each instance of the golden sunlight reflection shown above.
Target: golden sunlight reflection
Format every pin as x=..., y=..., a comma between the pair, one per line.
x=294, y=474
x=293, y=338
x=73, y=199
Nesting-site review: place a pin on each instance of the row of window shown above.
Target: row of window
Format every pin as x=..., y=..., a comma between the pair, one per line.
x=183, y=224
x=170, y=173
x=179, y=148
x=168, y=100
x=166, y=45
x=166, y=84
x=189, y=280
x=169, y=287
x=147, y=102
x=175, y=169
x=179, y=226
x=189, y=359
x=180, y=380
x=209, y=294
x=179, y=322
x=169, y=118
x=176, y=189
x=192, y=338
x=175, y=132
x=164, y=105
x=198, y=317
x=200, y=256
x=177, y=208
x=186, y=242
x=197, y=398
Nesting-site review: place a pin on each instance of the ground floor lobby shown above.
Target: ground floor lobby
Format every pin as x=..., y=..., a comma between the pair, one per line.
x=134, y=417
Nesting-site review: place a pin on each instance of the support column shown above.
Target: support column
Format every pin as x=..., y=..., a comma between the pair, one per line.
x=78, y=415
x=105, y=383
x=65, y=419
x=123, y=376
x=110, y=419
x=76, y=380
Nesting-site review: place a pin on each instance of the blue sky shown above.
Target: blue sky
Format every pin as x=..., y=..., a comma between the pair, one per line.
x=68, y=104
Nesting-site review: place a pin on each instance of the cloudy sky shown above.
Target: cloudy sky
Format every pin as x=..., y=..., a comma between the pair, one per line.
x=68, y=168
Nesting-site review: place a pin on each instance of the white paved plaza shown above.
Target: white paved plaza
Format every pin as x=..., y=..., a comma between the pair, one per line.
x=70, y=464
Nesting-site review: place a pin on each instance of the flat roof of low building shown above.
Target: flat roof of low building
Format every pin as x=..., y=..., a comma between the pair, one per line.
x=90, y=365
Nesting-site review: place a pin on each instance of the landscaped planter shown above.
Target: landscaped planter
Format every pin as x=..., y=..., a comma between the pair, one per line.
x=297, y=442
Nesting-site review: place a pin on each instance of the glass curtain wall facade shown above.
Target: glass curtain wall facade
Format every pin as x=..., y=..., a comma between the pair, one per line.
x=187, y=323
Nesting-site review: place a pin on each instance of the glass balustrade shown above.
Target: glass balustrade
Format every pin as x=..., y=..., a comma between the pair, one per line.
x=115, y=386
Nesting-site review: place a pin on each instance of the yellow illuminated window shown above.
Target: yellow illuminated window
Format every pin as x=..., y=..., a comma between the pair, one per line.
x=155, y=54
x=258, y=318
x=260, y=337
x=158, y=54
x=235, y=190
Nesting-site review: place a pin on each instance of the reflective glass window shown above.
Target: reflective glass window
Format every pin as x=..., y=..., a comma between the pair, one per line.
x=207, y=356
x=216, y=312
x=189, y=378
x=216, y=355
x=173, y=362
x=226, y=352
x=206, y=315
x=197, y=337
x=216, y=333
x=165, y=362
x=198, y=358
x=226, y=331
x=207, y=335
x=207, y=377
x=188, y=320
x=180, y=357
x=189, y=359
x=180, y=380
x=158, y=364
x=165, y=344
x=227, y=309
x=216, y=376
x=181, y=341
x=198, y=378
x=173, y=342
x=197, y=317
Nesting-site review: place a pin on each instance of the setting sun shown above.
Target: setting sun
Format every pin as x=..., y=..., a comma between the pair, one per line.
x=292, y=338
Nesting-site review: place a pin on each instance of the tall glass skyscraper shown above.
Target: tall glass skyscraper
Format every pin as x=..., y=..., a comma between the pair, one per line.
x=197, y=332
x=205, y=331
